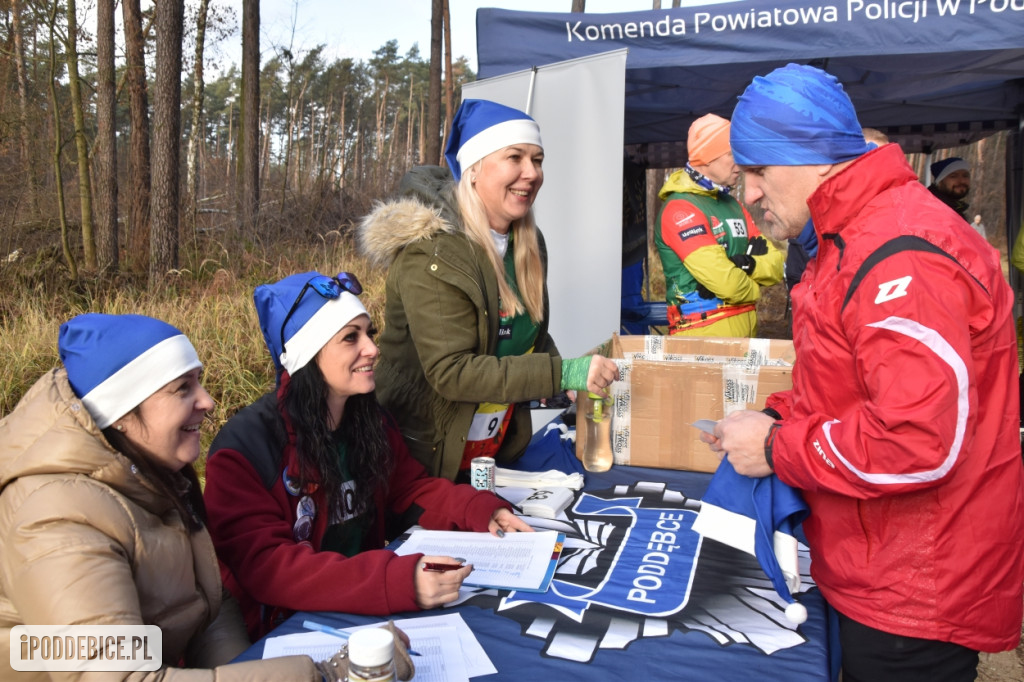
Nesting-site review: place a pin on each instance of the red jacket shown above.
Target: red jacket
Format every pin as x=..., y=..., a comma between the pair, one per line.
x=902, y=424
x=251, y=515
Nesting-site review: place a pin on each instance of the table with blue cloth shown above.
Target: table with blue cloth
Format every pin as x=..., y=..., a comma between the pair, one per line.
x=639, y=594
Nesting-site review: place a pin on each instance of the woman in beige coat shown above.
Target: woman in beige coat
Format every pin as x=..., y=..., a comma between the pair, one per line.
x=101, y=516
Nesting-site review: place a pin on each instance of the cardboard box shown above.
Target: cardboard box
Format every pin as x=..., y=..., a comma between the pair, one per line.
x=670, y=382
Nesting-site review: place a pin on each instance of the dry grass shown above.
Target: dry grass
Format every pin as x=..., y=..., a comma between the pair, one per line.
x=209, y=302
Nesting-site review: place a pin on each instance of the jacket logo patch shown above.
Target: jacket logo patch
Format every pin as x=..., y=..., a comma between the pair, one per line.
x=679, y=220
x=888, y=291
x=695, y=231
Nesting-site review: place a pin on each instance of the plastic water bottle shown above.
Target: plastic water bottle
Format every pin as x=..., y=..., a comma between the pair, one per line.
x=371, y=656
x=597, y=454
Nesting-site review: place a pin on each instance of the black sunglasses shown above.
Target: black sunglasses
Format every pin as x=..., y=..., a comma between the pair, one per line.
x=328, y=287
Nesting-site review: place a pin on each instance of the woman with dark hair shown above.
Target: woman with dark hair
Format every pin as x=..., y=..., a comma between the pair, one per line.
x=101, y=514
x=305, y=486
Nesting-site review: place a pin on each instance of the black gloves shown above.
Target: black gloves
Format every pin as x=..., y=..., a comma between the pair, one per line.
x=743, y=262
x=757, y=246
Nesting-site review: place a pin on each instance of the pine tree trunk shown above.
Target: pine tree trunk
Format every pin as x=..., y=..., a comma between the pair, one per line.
x=81, y=143
x=27, y=158
x=432, y=150
x=137, y=229
x=249, y=136
x=106, y=138
x=191, y=159
x=163, y=256
x=449, y=80
x=65, y=241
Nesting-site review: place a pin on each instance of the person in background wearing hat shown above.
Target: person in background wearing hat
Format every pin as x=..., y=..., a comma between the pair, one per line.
x=465, y=338
x=714, y=257
x=301, y=486
x=901, y=426
x=101, y=514
x=951, y=181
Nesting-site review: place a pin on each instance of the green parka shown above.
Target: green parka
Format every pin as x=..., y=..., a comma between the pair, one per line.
x=441, y=322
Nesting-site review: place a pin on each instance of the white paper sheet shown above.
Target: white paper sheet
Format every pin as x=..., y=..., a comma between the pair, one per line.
x=517, y=561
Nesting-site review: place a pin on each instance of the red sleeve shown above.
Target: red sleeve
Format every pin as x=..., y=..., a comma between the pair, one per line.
x=684, y=228
x=446, y=506
x=781, y=402
x=253, y=535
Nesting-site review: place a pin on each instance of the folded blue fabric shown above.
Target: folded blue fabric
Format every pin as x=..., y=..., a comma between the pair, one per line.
x=552, y=447
x=759, y=516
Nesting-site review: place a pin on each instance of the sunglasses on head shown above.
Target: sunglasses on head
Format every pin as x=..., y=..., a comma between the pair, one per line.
x=327, y=287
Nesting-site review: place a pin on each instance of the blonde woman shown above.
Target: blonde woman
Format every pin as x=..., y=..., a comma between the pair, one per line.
x=466, y=317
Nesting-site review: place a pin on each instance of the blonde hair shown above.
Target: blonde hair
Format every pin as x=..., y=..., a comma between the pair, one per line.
x=526, y=251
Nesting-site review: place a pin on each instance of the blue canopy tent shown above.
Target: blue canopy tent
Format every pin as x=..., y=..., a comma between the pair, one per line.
x=929, y=73
x=951, y=72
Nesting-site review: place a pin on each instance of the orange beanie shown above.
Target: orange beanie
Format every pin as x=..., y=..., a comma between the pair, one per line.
x=708, y=139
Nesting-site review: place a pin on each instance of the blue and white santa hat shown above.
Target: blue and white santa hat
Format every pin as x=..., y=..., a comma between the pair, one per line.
x=114, y=362
x=941, y=169
x=481, y=127
x=311, y=323
x=797, y=115
x=758, y=516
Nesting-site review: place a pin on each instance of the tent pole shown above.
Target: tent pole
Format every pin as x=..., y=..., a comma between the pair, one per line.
x=529, y=92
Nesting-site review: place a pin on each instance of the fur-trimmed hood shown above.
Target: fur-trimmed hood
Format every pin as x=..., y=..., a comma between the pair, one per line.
x=425, y=208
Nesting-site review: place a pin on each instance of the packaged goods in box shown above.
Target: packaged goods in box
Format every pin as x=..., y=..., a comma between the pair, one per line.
x=670, y=382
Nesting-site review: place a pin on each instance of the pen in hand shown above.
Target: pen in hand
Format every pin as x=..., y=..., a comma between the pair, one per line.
x=441, y=568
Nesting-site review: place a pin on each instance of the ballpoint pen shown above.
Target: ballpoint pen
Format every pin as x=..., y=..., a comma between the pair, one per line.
x=441, y=568
x=338, y=632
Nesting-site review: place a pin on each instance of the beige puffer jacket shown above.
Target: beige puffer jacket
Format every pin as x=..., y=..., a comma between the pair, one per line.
x=85, y=540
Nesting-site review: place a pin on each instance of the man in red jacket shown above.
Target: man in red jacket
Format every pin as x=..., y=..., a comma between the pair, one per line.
x=901, y=426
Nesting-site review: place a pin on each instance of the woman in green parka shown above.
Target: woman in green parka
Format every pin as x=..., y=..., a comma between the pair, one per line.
x=465, y=335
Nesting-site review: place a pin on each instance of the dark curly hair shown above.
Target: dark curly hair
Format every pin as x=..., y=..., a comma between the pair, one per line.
x=361, y=430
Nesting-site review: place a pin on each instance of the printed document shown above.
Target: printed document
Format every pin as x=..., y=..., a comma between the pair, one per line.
x=518, y=561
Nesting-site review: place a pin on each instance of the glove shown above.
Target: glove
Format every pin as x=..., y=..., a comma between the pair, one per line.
x=758, y=246
x=704, y=292
x=574, y=373
x=335, y=668
x=743, y=262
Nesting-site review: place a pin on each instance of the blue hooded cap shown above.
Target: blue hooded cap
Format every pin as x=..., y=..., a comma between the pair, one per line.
x=797, y=115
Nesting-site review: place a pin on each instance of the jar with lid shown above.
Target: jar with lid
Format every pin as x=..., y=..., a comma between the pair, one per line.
x=371, y=656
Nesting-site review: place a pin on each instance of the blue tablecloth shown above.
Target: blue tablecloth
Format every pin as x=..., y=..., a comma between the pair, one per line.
x=638, y=603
